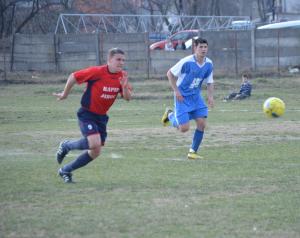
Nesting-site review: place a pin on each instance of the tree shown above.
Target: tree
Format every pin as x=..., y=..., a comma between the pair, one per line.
x=266, y=8
x=16, y=15
x=7, y=10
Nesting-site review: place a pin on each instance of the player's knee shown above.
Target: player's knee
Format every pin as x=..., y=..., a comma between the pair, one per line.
x=94, y=153
x=94, y=144
x=184, y=128
x=201, y=127
x=201, y=124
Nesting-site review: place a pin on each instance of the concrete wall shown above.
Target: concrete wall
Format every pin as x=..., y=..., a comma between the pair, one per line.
x=135, y=46
x=5, y=54
x=261, y=50
x=161, y=61
x=277, y=49
x=231, y=51
x=76, y=51
x=33, y=52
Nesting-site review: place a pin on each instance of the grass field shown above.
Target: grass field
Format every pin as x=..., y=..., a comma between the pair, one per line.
x=143, y=186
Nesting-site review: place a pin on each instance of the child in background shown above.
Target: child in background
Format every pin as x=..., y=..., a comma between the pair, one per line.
x=245, y=89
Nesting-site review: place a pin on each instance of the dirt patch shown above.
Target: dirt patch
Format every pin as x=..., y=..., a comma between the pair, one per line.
x=215, y=135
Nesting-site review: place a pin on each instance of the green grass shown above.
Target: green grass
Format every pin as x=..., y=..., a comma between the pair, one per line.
x=248, y=185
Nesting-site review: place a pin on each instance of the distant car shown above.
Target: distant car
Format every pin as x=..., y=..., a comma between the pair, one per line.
x=242, y=25
x=188, y=43
x=157, y=36
x=178, y=39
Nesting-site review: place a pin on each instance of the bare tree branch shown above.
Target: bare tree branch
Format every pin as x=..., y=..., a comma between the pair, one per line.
x=14, y=14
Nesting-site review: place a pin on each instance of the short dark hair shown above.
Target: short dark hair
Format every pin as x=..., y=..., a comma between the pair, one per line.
x=198, y=40
x=114, y=51
x=246, y=75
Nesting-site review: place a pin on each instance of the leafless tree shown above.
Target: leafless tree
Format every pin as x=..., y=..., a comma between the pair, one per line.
x=215, y=8
x=265, y=8
x=40, y=16
x=16, y=15
x=159, y=7
x=182, y=8
x=149, y=7
x=261, y=6
x=7, y=9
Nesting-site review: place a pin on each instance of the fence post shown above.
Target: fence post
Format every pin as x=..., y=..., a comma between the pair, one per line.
x=253, y=42
x=278, y=52
x=4, y=46
x=3, y=49
x=12, y=52
x=148, y=54
x=97, y=48
x=55, y=53
x=101, y=48
x=236, y=55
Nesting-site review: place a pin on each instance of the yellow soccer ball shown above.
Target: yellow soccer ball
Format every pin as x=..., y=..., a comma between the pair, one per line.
x=274, y=107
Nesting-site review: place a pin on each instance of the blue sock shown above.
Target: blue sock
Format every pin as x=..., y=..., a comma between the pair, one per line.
x=81, y=144
x=81, y=161
x=198, y=136
x=172, y=119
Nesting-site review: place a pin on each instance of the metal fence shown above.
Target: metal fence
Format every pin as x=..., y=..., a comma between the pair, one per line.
x=113, y=23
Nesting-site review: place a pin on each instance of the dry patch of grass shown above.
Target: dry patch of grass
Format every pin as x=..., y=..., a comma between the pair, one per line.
x=215, y=135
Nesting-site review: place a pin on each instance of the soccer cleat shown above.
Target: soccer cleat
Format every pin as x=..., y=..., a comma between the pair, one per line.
x=194, y=155
x=61, y=152
x=165, y=120
x=66, y=176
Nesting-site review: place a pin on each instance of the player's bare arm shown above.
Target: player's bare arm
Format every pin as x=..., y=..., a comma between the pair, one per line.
x=210, y=94
x=126, y=87
x=172, y=80
x=64, y=94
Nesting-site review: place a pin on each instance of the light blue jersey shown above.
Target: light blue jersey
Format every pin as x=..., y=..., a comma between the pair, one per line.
x=191, y=75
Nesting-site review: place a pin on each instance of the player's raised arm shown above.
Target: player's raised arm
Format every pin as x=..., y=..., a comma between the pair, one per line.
x=69, y=84
x=126, y=87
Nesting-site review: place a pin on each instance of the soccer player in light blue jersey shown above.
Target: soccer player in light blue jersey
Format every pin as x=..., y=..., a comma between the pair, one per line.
x=186, y=79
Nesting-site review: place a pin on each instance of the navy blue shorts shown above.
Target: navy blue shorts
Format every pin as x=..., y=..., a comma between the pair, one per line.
x=91, y=123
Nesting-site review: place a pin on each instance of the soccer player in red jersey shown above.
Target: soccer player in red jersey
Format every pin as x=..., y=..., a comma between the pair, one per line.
x=103, y=84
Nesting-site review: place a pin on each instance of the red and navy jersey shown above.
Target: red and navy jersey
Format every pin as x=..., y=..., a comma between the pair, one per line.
x=101, y=90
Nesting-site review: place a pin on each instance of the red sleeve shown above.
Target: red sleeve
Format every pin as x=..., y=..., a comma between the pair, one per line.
x=84, y=75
